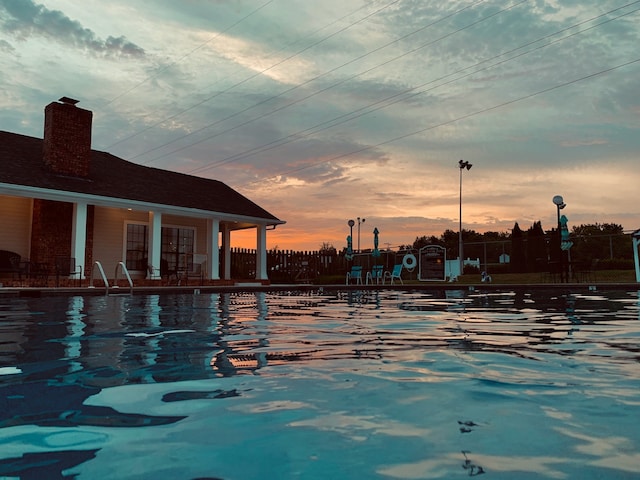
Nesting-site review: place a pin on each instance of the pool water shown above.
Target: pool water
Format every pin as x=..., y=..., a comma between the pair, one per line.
x=321, y=385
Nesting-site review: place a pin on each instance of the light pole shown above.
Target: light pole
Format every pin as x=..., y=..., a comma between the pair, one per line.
x=462, y=165
x=360, y=220
x=349, y=255
x=559, y=203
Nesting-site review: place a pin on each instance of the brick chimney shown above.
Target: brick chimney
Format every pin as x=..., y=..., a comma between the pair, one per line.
x=67, y=138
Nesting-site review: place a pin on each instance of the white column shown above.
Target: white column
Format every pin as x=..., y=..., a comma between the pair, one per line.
x=79, y=235
x=213, y=249
x=636, y=245
x=261, y=253
x=155, y=242
x=226, y=246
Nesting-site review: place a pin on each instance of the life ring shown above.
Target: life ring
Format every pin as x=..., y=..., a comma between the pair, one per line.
x=409, y=261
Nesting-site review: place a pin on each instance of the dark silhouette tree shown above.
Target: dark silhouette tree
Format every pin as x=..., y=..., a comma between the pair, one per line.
x=536, y=249
x=424, y=241
x=451, y=241
x=533, y=250
x=518, y=256
x=474, y=246
x=600, y=241
x=327, y=249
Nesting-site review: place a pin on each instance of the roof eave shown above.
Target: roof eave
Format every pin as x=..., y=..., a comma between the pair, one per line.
x=112, y=202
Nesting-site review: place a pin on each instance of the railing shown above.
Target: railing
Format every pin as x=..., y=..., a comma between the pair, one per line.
x=121, y=266
x=104, y=277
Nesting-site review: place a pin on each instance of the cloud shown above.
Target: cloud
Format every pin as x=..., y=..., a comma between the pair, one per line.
x=25, y=19
x=254, y=57
x=361, y=109
x=6, y=46
x=584, y=142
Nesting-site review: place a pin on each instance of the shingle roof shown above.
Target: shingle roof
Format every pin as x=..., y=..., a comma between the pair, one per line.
x=111, y=176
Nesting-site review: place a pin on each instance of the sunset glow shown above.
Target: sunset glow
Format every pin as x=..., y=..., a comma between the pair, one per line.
x=347, y=109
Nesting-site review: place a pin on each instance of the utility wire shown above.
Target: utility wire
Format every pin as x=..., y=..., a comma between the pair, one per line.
x=449, y=122
x=150, y=77
x=402, y=96
x=318, y=77
x=257, y=74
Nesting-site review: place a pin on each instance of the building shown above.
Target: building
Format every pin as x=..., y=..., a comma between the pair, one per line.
x=58, y=197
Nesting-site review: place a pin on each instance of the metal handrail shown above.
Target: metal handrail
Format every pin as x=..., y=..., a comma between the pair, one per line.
x=104, y=277
x=126, y=273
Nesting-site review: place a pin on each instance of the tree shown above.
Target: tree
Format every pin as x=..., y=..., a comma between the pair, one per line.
x=518, y=257
x=327, y=249
x=496, y=236
x=536, y=249
x=450, y=240
x=493, y=245
x=532, y=251
x=424, y=241
x=474, y=246
x=601, y=241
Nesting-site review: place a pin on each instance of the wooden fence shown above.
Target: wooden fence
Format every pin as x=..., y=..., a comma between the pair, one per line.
x=289, y=266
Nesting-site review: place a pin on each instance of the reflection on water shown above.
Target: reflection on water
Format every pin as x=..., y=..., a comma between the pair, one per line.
x=513, y=351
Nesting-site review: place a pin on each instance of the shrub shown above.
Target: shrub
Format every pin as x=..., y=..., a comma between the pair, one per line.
x=471, y=269
x=615, y=264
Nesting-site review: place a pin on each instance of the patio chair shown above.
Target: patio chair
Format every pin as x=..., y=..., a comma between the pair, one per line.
x=355, y=275
x=163, y=272
x=66, y=267
x=197, y=269
x=38, y=272
x=376, y=275
x=10, y=262
x=395, y=274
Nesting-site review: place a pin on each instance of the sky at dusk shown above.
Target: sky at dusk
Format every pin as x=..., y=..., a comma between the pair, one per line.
x=322, y=112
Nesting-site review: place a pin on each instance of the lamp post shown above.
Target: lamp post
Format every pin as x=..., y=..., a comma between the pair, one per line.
x=351, y=223
x=360, y=220
x=559, y=203
x=462, y=165
x=349, y=255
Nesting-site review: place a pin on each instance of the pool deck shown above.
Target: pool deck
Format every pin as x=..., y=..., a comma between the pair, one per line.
x=256, y=287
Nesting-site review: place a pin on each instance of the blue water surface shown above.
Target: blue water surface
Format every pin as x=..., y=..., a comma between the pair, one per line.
x=321, y=385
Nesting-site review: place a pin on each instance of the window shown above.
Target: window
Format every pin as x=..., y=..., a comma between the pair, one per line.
x=137, y=247
x=177, y=247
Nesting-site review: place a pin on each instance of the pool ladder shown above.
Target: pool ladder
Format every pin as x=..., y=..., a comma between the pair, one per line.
x=123, y=267
x=119, y=266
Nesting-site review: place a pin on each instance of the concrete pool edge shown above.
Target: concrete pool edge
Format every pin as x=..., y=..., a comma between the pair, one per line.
x=194, y=289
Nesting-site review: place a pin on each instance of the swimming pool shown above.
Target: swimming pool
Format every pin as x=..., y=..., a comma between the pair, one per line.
x=319, y=385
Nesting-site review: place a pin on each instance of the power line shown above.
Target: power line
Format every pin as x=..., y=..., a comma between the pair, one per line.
x=384, y=103
x=257, y=74
x=150, y=77
x=318, y=77
x=449, y=122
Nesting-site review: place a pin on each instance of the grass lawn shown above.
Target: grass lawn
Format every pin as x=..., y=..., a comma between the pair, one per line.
x=600, y=276
x=597, y=277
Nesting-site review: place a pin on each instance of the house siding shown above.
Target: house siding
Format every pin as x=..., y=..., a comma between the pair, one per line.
x=108, y=248
x=16, y=225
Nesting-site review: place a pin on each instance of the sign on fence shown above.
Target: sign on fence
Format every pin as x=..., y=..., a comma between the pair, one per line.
x=432, y=262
